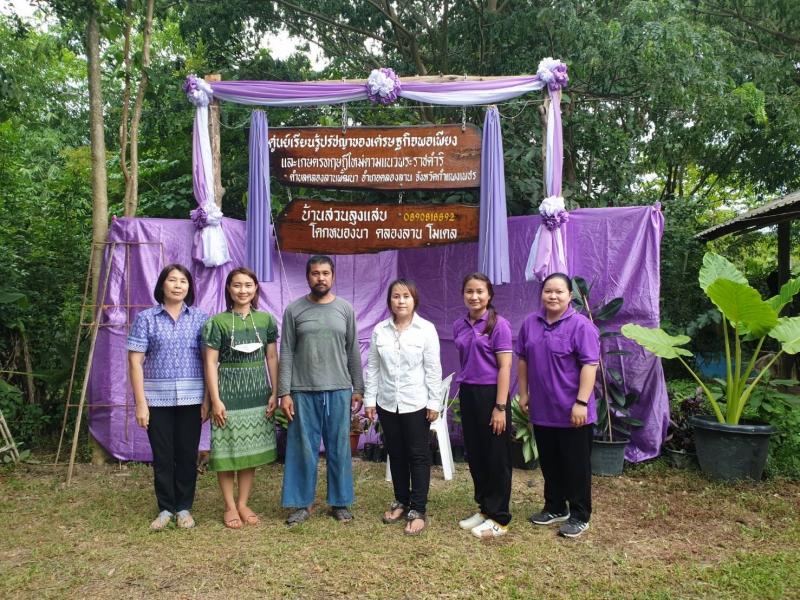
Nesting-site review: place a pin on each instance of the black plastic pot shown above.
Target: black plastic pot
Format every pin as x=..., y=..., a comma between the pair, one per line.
x=374, y=452
x=731, y=452
x=680, y=459
x=518, y=459
x=458, y=454
x=608, y=458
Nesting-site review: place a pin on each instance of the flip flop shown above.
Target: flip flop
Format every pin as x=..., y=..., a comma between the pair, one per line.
x=393, y=507
x=234, y=522
x=249, y=518
x=184, y=520
x=414, y=515
x=162, y=521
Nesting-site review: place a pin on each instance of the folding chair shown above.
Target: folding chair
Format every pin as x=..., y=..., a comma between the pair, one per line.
x=442, y=434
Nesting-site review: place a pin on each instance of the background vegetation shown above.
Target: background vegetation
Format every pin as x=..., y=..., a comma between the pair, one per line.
x=691, y=103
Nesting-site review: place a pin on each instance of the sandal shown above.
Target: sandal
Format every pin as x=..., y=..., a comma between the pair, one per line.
x=231, y=519
x=249, y=517
x=395, y=505
x=415, y=515
x=162, y=521
x=184, y=520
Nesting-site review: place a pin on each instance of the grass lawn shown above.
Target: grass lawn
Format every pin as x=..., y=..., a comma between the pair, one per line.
x=655, y=533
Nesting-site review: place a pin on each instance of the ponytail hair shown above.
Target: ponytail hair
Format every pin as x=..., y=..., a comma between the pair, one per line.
x=491, y=319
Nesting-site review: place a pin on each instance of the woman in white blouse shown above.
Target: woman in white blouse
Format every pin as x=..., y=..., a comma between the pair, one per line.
x=404, y=375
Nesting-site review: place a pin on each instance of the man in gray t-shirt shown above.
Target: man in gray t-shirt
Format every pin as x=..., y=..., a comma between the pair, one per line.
x=320, y=383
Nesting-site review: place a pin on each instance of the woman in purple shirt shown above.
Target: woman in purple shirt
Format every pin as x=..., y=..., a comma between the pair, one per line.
x=165, y=368
x=558, y=351
x=483, y=339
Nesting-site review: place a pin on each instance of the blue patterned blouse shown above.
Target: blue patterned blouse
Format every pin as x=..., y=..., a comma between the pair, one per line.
x=173, y=364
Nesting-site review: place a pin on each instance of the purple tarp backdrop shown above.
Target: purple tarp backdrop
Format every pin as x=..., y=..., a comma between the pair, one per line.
x=616, y=249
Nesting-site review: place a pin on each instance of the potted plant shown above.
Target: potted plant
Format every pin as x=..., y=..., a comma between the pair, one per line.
x=281, y=425
x=612, y=429
x=358, y=423
x=679, y=447
x=456, y=432
x=728, y=447
x=374, y=451
x=524, y=453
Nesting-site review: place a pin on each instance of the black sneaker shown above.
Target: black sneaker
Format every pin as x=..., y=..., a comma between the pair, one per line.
x=341, y=514
x=573, y=528
x=548, y=518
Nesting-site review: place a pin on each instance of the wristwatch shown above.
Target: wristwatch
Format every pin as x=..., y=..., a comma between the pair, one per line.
x=500, y=407
x=581, y=402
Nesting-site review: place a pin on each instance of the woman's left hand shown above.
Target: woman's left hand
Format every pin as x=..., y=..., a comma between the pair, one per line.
x=498, y=421
x=272, y=404
x=579, y=415
x=432, y=415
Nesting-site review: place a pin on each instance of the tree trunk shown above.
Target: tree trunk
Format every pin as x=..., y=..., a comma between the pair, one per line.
x=132, y=184
x=99, y=183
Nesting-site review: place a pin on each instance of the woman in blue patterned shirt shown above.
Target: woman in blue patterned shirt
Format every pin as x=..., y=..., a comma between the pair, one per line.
x=165, y=367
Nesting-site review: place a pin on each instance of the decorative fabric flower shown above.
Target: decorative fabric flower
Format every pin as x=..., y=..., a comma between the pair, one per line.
x=554, y=73
x=199, y=217
x=383, y=86
x=197, y=90
x=553, y=212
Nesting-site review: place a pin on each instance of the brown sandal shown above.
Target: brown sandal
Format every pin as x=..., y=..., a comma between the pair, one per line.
x=250, y=518
x=234, y=522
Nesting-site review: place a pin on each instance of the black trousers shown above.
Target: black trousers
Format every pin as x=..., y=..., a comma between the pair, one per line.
x=174, y=434
x=565, y=458
x=488, y=455
x=407, y=439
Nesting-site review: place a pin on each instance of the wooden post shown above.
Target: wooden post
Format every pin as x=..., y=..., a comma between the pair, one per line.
x=213, y=133
x=784, y=249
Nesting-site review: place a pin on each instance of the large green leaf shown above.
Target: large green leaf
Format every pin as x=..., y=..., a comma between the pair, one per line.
x=742, y=304
x=607, y=311
x=657, y=341
x=785, y=295
x=787, y=332
x=716, y=267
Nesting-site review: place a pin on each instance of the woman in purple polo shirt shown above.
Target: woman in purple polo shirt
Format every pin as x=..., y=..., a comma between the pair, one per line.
x=558, y=351
x=483, y=339
x=165, y=368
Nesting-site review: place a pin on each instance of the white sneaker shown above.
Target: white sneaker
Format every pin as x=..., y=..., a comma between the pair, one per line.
x=489, y=529
x=472, y=522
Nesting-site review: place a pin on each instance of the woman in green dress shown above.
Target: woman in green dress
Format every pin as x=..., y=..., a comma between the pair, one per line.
x=242, y=433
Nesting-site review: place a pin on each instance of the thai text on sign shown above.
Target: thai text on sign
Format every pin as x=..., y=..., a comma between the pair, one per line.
x=387, y=158
x=350, y=228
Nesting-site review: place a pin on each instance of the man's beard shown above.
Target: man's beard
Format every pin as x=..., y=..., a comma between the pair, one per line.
x=320, y=293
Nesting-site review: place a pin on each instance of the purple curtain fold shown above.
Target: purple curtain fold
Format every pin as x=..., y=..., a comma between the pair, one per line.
x=259, y=214
x=493, y=230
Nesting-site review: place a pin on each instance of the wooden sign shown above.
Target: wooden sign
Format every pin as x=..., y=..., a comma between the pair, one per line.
x=316, y=226
x=377, y=158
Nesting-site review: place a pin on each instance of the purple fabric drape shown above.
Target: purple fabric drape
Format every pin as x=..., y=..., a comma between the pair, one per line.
x=555, y=147
x=200, y=188
x=616, y=249
x=493, y=229
x=259, y=206
x=452, y=93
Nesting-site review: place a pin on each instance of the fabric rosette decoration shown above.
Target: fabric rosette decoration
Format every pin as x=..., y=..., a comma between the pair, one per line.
x=197, y=90
x=383, y=86
x=549, y=250
x=553, y=72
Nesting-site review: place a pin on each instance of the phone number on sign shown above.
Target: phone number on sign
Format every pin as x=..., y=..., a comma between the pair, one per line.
x=429, y=217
